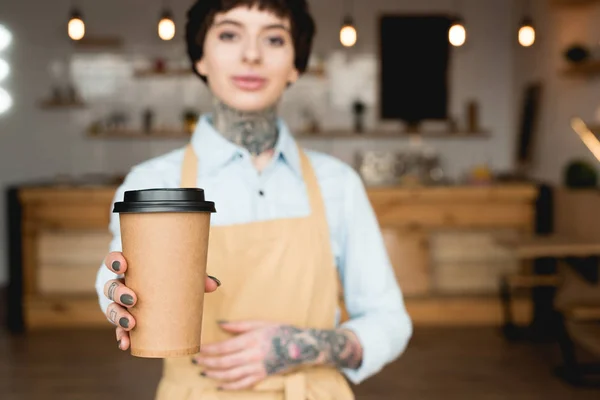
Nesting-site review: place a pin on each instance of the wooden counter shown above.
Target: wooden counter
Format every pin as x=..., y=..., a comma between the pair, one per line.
x=440, y=242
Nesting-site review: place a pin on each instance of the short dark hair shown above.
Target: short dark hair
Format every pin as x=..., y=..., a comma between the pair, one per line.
x=201, y=16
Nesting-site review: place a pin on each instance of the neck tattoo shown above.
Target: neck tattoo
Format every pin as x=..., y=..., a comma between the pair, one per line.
x=255, y=131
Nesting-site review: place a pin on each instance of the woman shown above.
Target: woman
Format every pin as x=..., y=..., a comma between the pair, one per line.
x=289, y=224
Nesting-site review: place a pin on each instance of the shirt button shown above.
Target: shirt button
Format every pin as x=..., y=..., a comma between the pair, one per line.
x=261, y=193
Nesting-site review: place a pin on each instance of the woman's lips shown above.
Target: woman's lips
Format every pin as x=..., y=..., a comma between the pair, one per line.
x=249, y=82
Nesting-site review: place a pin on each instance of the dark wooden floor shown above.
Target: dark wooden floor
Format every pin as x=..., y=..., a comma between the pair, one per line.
x=440, y=364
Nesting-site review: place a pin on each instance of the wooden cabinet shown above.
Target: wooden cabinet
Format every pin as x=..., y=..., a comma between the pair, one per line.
x=439, y=240
x=442, y=243
x=64, y=240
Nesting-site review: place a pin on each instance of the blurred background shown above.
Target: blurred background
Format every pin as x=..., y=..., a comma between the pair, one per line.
x=473, y=124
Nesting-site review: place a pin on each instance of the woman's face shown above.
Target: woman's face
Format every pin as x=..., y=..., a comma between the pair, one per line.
x=248, y=58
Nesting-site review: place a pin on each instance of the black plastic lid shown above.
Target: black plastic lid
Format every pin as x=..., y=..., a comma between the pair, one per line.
x=164, y=200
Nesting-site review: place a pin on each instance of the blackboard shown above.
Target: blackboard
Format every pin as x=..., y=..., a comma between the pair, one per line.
x=414, y=54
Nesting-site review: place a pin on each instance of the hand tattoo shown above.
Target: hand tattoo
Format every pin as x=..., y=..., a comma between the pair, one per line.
x=255, y=131
x=111, y=290
x=291, y=347
x=113, y=316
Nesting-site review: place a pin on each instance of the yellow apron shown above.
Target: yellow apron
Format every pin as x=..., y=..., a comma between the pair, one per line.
x=277, y=270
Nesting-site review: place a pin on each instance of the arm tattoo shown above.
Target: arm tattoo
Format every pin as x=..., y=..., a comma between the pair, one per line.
x=111, y=290
x=291, y=347
x=255, y=131
x=113, y=316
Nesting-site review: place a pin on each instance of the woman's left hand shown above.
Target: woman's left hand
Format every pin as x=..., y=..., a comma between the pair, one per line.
x=260, y=349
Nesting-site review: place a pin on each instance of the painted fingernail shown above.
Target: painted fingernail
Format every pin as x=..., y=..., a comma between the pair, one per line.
x=119, y=344
x=203, y=374
x=116, y=265
x=194, y=361
x=218, y=282
x=124, y=322
x=221, y=321
x=127, y=299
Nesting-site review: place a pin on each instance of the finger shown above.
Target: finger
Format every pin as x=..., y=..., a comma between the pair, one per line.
x=234, y=374
x=211, y=284
x=116, y=262
x=123, y=341
x=244, y=383
x=244, y=326
x=119, y=316
x=115, y=290
x=235, y=344
x=233, y=360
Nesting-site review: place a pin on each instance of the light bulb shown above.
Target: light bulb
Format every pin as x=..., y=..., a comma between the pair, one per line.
x=5, y=101
x=348, y=33
x=76, y=26
x=457, y=35
x=166, y=26
x=4, y=69
x=348, y=36
x=5, y=37
x=526, y=33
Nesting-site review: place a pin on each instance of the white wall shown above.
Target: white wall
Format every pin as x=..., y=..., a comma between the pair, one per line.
x=563, y=97
x=35, y=144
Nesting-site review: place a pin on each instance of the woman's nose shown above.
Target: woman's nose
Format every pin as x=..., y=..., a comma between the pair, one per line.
x=251, y=52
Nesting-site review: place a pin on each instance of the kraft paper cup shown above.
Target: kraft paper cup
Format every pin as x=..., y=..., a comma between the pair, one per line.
x=164, y=233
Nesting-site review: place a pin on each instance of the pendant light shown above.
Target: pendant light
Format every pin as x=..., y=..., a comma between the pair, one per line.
x=6, y=100
x=348, y=34
x=526, y=30
x=457, y=34
x=166, y=25
x=526, y=33
x=5, y=37
x=76, y=26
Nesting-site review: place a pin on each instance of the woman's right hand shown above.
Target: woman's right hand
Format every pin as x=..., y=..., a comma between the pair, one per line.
x=124, y=298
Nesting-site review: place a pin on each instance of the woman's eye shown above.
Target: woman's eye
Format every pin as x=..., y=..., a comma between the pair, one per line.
x=227, y=36
x=276, y=41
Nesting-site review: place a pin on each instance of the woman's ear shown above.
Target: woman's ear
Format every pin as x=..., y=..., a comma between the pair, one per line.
x=201, y=67
x=293, y=77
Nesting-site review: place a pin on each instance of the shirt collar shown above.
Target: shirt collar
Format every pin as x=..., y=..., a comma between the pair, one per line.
x=214, y=151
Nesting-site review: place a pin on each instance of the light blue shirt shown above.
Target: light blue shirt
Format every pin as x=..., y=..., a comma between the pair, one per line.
x=372, y=296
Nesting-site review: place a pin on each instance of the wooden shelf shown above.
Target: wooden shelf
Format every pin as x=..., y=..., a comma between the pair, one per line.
x=572, y=3
x=52, y=105
x=388, y=135
x=98, y=42
x=137, y=134
x=147, y=73
x=584, y=68
x=327, y=135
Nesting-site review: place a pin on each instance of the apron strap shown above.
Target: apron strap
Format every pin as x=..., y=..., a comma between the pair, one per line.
x=312, y=189
x=189, y=169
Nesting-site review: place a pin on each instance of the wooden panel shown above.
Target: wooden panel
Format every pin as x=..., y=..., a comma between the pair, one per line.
x=64, y=312
x=456, y=311
x=68, y=261
x=446, y=194
x=454, y=215
x=71, y=216
x=73, y=247
x=470, y=261
x=408, y=252
x=67, y=279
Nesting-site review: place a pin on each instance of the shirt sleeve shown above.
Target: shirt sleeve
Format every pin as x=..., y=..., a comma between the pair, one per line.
x=137, y=179
x=373, y=299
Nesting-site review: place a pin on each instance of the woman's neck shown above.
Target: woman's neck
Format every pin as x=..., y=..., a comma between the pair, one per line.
x=255, y=131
